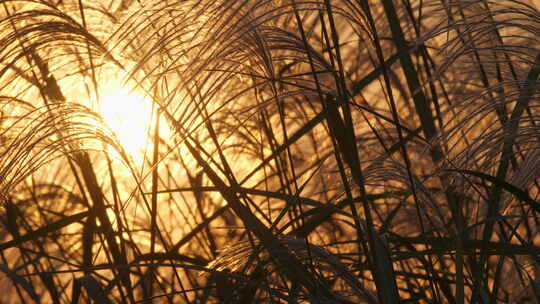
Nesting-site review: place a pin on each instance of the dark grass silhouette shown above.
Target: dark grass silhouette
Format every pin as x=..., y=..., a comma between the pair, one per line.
x=314, y=152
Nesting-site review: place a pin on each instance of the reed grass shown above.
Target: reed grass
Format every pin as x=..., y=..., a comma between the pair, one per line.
x=326, y=151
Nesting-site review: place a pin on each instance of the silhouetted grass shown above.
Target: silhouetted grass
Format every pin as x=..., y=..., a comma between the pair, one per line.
x=328, y=151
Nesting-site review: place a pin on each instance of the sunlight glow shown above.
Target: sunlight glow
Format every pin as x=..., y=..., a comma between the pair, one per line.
x=129, y=115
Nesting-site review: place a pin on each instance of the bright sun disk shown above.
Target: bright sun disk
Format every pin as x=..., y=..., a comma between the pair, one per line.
x=129, y=115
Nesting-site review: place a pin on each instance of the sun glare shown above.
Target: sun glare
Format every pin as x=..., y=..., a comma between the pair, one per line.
x=129, y=115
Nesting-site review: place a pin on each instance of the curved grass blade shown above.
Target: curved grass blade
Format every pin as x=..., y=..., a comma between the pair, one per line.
x=517, y=192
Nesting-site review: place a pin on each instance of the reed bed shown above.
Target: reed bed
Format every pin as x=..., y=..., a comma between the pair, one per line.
x=293, y=151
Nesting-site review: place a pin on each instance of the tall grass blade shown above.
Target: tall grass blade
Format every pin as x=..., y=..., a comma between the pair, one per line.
x=17, y=279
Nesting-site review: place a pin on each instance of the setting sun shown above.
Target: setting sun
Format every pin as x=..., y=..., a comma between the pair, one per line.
x=129, y=115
